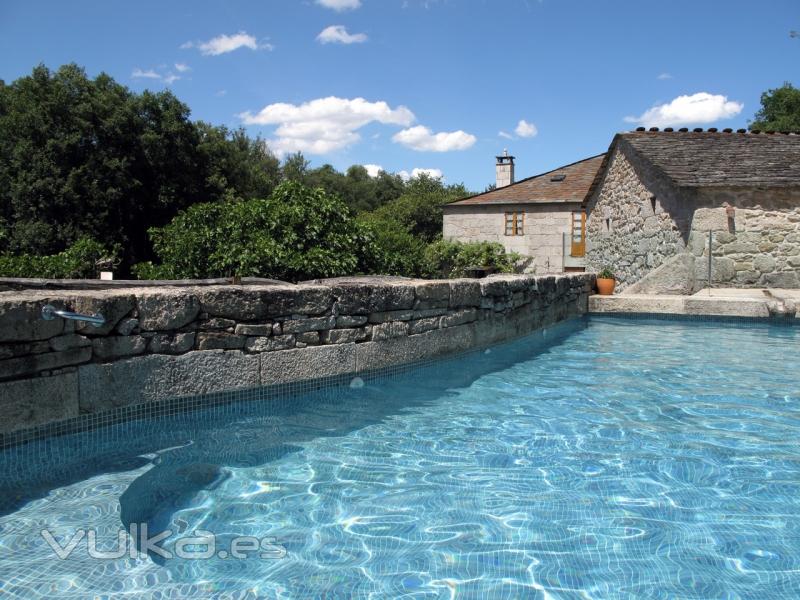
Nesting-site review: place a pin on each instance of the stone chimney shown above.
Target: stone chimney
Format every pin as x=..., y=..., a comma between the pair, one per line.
x=504, y=170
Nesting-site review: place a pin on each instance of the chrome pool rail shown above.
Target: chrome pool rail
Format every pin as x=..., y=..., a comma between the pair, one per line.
x=50, y=312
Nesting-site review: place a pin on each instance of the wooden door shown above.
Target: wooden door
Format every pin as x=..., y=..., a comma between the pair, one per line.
x=578, y=234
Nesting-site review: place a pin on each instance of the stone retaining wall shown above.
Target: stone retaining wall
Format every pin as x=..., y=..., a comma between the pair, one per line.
x=167, y=342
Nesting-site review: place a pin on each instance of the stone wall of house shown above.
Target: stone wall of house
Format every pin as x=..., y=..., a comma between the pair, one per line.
x=756, y=247
x=542, y=241
x=654, y=236
x=161, y=343
x=636, y=219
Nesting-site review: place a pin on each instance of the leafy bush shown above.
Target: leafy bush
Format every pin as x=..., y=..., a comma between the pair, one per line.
x=80, y=261
x=297, y=233
x=446, y=258
x=393, y=250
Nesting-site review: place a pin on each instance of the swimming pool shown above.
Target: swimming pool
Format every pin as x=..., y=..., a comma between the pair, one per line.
x=603, y=458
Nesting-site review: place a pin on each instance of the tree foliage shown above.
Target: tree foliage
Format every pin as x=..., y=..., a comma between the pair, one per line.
x=302, y=233
x=237, y=165
x=90, y=169
x=84, y=259
x=87, y=157
x=419, y=208
x=446, y=259
x=402, y=228
x=297, y=233
x=780, y=110
x=355, y=187
x=394, y=250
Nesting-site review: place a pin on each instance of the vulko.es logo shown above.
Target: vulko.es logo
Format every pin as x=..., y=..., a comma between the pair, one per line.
x=136, y=542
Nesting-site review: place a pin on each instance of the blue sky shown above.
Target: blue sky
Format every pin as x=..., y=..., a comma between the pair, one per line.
x=444, y=85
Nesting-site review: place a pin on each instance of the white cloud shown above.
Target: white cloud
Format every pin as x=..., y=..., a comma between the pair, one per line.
x=416, y=172
x=149, y=74
x=325, y=124
x=373, y=170
x=525, y=129
x=663, y=76
x=182, y=67
x=434, y=173
x=686, y=110
x=222, y=44
x=167, y=77
x=221, y=93
x=423, y=139
x=337, y=34
x=340, y=5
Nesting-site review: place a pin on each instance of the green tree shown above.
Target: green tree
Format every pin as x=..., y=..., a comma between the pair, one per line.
x=330, y=180
x=237, y=164
x=84, y=157
x=780, y=110
x=87, y=157
x=419, y=209
x=403, y=227
x=388, y=187
x=355, y=187
x=295, y=168
x=297, y=233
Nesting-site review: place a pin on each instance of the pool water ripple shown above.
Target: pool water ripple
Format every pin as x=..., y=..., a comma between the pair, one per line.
x=613, y=459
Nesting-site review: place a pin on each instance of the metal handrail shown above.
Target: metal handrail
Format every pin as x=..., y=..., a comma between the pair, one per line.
x=50, y=312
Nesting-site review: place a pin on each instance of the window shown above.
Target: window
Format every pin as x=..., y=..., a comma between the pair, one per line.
x=515, y=223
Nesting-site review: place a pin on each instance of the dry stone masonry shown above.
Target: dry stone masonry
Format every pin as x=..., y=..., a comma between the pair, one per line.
x=635, y=220
x=662, y=193
x=165, y=342
x=754, y=248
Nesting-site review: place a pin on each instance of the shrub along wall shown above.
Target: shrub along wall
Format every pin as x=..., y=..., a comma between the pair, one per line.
x=167, y=342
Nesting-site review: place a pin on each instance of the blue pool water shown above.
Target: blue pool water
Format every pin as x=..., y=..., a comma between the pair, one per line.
x=607, y=458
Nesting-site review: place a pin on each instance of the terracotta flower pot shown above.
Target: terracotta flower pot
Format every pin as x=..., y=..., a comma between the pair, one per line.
x=605, y=287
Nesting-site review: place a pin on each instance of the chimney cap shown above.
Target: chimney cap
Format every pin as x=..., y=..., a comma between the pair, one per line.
x=505, y=156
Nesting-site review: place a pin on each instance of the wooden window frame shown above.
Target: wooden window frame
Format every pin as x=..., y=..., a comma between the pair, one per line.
x=514, y=222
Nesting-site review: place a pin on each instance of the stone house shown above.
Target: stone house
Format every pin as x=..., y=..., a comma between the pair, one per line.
x=541, y=217
x=660, y=196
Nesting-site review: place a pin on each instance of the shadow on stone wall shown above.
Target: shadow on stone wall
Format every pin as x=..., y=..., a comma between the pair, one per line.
x=164, y=343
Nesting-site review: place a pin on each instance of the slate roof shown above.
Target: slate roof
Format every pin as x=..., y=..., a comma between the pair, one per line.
x=720, y=158
x=540, y=189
